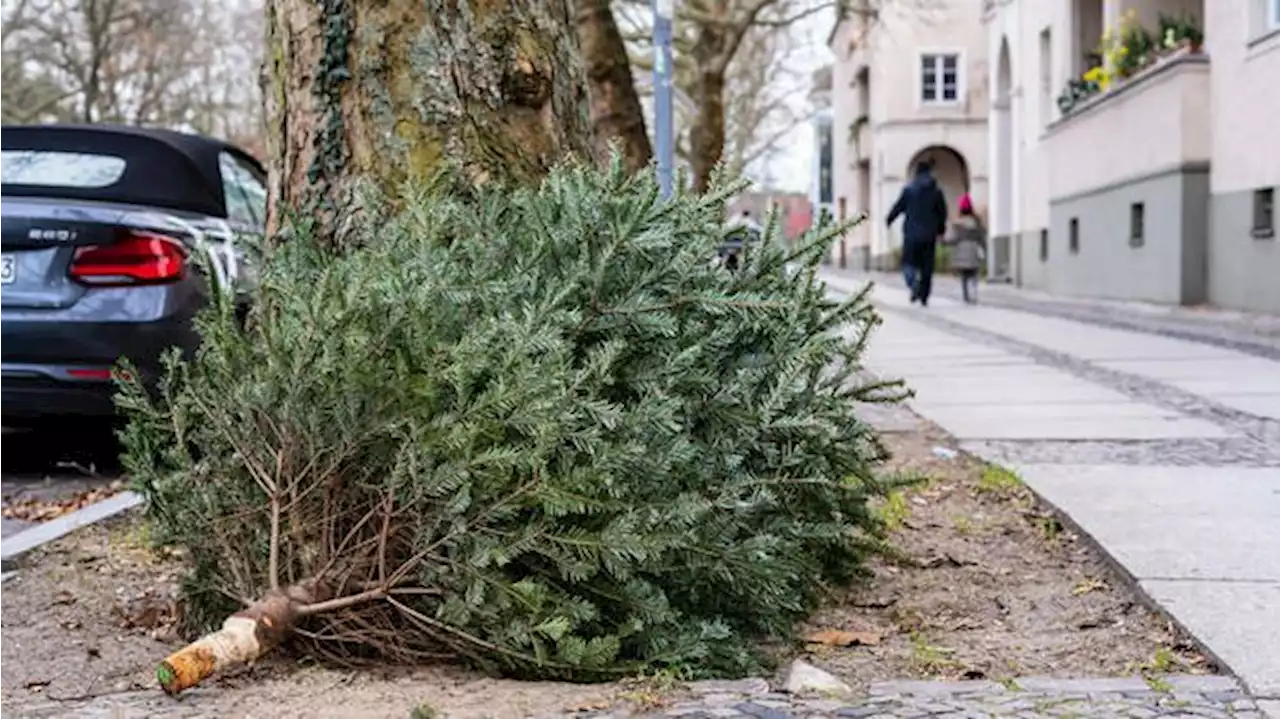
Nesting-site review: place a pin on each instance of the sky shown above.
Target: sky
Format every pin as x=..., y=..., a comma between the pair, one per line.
x=791, y=166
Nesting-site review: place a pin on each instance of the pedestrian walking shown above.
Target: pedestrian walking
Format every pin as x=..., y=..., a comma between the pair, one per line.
x=925, y=210
x=968, y=248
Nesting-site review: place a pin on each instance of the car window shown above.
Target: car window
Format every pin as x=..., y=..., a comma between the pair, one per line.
x=246, y=195
x=59, y=169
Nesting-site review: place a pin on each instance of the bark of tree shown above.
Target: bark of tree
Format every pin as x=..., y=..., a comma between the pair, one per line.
x=616, y=112
x=388, y=91
x=706, y=137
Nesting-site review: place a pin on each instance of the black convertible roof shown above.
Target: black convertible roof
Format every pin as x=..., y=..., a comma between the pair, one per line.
x=163, y=168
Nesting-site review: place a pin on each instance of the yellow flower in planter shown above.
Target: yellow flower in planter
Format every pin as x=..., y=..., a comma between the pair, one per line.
x=1098, y=75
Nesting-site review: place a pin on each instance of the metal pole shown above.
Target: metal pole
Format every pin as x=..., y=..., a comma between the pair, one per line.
x=663, y=115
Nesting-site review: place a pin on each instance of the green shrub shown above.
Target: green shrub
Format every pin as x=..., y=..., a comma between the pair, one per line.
x=536, y=431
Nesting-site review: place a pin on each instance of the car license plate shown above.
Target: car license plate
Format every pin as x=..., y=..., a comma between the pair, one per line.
x=8, y=270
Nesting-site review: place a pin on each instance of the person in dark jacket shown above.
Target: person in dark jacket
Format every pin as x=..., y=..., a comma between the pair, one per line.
x=925, y=209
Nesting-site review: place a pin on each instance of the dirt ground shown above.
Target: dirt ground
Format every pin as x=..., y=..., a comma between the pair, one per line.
x=989, y=586
x=992, y=587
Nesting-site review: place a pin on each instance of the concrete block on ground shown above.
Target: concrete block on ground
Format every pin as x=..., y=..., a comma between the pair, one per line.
x=933, y=689
x=1238, y=621
x=1098, y=685
x=987, y=426
x=1204, y=523
x=1034, y=389
x=1244, y=366
x=1259, y=405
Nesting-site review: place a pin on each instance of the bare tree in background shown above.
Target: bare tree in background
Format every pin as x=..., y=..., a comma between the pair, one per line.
x=763, y=98
x=709, y=36
x=733, y=69
x=28, y=90
x=175, y=63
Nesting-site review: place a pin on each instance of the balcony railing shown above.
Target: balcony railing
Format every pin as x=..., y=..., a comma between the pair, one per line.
x=1154, y=121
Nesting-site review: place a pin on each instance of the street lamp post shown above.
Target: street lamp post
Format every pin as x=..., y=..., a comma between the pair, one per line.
x=663, y=120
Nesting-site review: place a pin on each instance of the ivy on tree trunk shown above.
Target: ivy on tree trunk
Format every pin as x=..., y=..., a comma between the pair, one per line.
x=386, y=91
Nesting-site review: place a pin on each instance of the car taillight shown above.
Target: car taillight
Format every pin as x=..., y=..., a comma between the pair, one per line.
x=136, y=258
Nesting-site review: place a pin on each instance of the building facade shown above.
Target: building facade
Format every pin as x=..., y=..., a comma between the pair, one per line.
x=1157, y=183
x=909, y=83
x=820, y=188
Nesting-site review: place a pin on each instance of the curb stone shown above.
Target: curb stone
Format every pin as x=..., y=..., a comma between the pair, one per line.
x=41, y=534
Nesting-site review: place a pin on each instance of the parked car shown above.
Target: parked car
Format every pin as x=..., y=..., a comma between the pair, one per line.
x=113, y=238
x=741, y=231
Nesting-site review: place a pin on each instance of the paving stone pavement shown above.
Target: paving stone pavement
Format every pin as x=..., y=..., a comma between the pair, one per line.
x=1209, y=697
x=1131, y=698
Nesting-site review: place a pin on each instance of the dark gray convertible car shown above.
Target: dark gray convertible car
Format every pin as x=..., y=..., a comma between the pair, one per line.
x=113, y=238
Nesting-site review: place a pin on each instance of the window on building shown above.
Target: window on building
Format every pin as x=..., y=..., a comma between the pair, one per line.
x=1073, y=236
x=1137, y=224
x=1044, y=245
x=940, y=77
x=1264, y=213
x=1273, y=14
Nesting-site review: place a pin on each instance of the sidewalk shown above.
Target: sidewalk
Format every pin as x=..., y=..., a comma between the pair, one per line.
x=1165, y=451
x=1254, y=333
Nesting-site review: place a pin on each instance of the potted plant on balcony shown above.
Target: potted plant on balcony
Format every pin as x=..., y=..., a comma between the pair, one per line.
x=1131, y=49
x=1180, y=31
x=1093, y=81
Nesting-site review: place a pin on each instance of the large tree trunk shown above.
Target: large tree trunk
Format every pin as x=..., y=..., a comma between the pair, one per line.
x=386, y=91
x=711, y=59
x=616, y=112
x=706, y=139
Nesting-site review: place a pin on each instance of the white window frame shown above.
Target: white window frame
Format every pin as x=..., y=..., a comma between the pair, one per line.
x=940, y=53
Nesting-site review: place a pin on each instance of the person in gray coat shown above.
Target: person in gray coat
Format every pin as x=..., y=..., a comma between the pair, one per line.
x=968, y=248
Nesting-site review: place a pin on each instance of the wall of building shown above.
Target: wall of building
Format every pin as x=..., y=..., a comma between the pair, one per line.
x=901, y=144
x=1024, y=103
x=901, y=125
x=1152, y=123
x=1143, y=147
x=846, y=46
x=1167, y=266
x=1030, y=254
x=1243, y=269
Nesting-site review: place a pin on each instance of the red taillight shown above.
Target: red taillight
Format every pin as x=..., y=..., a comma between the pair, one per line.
x=96, y=373
x=137, y=258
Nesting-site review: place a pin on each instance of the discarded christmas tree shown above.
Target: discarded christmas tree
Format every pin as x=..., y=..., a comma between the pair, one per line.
x=538, y=431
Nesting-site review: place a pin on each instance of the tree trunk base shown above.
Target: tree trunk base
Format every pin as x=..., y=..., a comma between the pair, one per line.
x=236, y=643
x=244, y=638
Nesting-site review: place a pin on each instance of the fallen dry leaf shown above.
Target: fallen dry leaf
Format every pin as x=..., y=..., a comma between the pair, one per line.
x=1086, y=585
x=589, y=707
x=32, y=509
x=64, y=597
x=839, y=638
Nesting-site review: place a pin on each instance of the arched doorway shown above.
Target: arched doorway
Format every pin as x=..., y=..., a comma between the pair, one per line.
x=949, y=168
